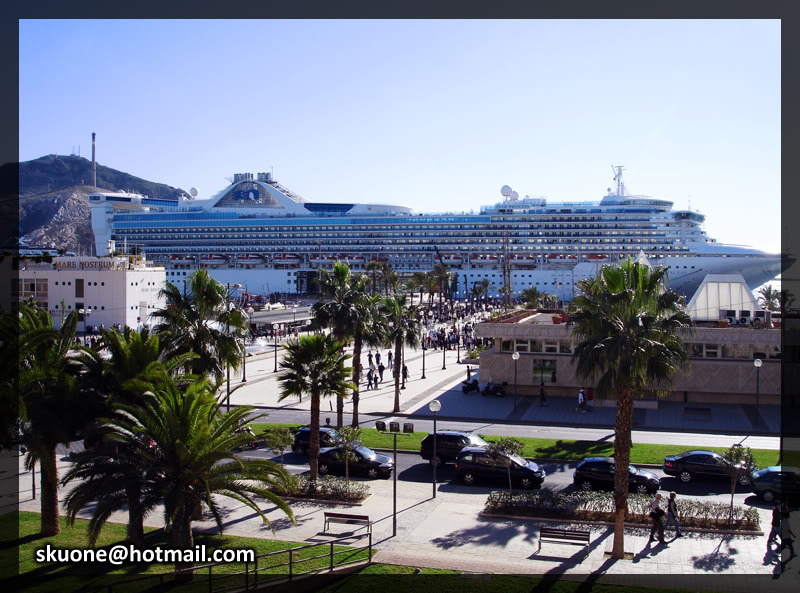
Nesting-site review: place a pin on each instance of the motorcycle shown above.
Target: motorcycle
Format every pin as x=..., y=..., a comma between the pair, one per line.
x=495, y=390
x=468, y=386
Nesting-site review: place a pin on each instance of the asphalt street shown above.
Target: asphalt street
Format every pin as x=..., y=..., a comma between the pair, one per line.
x=412, y=468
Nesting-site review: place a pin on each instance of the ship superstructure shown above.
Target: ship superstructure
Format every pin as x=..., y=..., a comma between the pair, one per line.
x=259, y=233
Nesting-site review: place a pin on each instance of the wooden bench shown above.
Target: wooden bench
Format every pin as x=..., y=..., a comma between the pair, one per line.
x=347, y=519
x=563, y=536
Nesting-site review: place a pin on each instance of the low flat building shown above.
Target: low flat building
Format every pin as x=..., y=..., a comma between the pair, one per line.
x=722, y=359
x=104, y=290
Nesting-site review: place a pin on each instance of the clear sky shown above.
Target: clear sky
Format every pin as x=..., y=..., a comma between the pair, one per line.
x=435, y=115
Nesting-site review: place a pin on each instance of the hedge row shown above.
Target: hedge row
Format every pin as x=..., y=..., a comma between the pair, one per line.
x=599, y=506
x=330, y=488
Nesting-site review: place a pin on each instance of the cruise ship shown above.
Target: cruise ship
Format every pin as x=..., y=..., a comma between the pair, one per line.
x=258, y=233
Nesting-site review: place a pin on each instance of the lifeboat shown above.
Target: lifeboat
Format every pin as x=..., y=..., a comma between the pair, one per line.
x=380, y=260
x=357, y=260
x=452, y=260
x=483, y=257
x=323, y=259
x=182, y=259
x=598, y=256
x=213, y=259
x=286, y=258
x=249, y=258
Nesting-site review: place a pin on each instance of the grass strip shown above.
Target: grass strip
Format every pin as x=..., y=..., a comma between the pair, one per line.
x=537, y=448
x=71, y=577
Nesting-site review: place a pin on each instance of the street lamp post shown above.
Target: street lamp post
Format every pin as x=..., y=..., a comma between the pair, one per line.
x=458, y=346
x=757, y=363
x=403, y=363
x=394, y=427
x=275, y=334
x=423, y=357
x=515, y=356
x=444, y=352
x=434, y=407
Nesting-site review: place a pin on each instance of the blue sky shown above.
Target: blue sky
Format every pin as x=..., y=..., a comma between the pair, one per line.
x=435, y=115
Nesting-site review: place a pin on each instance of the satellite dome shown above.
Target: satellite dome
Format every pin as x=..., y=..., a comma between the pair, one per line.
x=506, y=190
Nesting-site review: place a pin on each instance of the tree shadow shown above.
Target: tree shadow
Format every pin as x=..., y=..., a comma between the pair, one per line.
x=496, y=533
x=577, y=449
x=716, y=561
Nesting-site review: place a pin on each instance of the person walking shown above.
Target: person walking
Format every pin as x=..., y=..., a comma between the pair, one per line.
x=656, y=512
x=469, y=373
x=775, y=532
x=787, y=535
x=542, y=396
x=581, y=400
x=381, y=368
x=369, y=379
x=672, y=514
x=389, y=356
x=589, y=400
x=405, y=373
x=369, y=358
x=377, y=358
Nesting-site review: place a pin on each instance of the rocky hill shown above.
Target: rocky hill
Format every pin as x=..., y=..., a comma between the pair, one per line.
x=53, y=203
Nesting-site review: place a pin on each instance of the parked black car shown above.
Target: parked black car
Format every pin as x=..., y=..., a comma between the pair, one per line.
x=701, y=464
x=598, y=472
x=328, y=437
x=448, y=445
x=365, y=462
x=474, y=464
x=773, y=482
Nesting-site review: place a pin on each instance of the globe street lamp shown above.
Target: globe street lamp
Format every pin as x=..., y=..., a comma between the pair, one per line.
x=515, y=356
x=434, y=407
x=757, y=363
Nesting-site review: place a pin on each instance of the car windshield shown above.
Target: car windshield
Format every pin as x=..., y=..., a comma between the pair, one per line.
x=519, y=460
x=365, y=452
x=633, y=470
x=477, y=441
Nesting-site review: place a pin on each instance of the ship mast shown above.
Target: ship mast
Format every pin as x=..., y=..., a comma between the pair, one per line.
x=618, y=178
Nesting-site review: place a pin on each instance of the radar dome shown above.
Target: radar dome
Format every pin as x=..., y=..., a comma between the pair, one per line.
x=193, y=192
x=514, y=195
x=506, y=190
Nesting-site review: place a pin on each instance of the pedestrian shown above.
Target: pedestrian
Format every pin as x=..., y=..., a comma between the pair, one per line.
x=405, y=373
x=377, y=358
x=381, y=368
x=787, y=535
x=656, y=512
x=369, y=379
x=672, y=514
x=776, y=524
x=375, y=379
x=542, y=396
x=369, y=358
x=581, y=401
x=469, y=373
x=389, y=356
x=590, y=398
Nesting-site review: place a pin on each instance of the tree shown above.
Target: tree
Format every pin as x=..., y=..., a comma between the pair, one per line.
x=432, y=287
x=627, y=326
x=420, y=281
x=769, y=297
x=390, y=278
x=349, y=439
x=350, y=312
x=314, y=365
x=739, y=463
x=531, y=296
x=204, y=324
x=374, y=267
x=278, y=439
x=53, y=403
x=402, y=328
x=503, y=450
x=442, y=274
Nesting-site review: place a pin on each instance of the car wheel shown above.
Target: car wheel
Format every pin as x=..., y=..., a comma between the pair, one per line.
x=526, y=483
x=686, y=477
x=768, y=496
x=437, y=461
x=642, y=488
x=468, y=478
x=586, y=485
x=323, y=469
x=299, y=449
x=744, y=480
x=372, y=473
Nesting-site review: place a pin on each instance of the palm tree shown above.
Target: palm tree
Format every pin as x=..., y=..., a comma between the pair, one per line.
x=442, y=274
x=192, y=458
x=402, y=329
x=627, y=324
x=54, y=404
x=432, y=286
x=421, y=281
x=350, y=313
x=314, y=365
x=204, y=324
x=373, y=267
x=769, y=297
x=532, y=296
x=481, y=289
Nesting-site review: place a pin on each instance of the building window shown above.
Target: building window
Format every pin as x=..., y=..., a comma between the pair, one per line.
x=544, y=369
x=521, y=346
x=506, y=346
x=565, y=347
x=551, y=347
x=79, y=288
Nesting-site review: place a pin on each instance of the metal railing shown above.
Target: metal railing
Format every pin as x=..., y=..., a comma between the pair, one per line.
x=255, y=574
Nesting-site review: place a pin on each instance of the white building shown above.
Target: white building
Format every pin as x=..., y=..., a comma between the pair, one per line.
x=108, y=290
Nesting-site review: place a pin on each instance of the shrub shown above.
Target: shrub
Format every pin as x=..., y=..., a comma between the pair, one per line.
x=599, y=506
x=475, y=353
x=330, y=488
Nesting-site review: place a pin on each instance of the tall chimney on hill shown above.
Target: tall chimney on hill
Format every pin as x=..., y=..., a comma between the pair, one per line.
x=94, y=164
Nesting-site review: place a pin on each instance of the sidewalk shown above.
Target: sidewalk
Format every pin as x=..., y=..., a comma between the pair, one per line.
x=262, y=390
x=447, y=532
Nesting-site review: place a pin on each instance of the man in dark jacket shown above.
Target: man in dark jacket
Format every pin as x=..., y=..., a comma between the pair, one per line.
x=656, y=512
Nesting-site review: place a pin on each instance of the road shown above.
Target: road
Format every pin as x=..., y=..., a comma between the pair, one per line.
x=547, y=432
x=412, y=468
